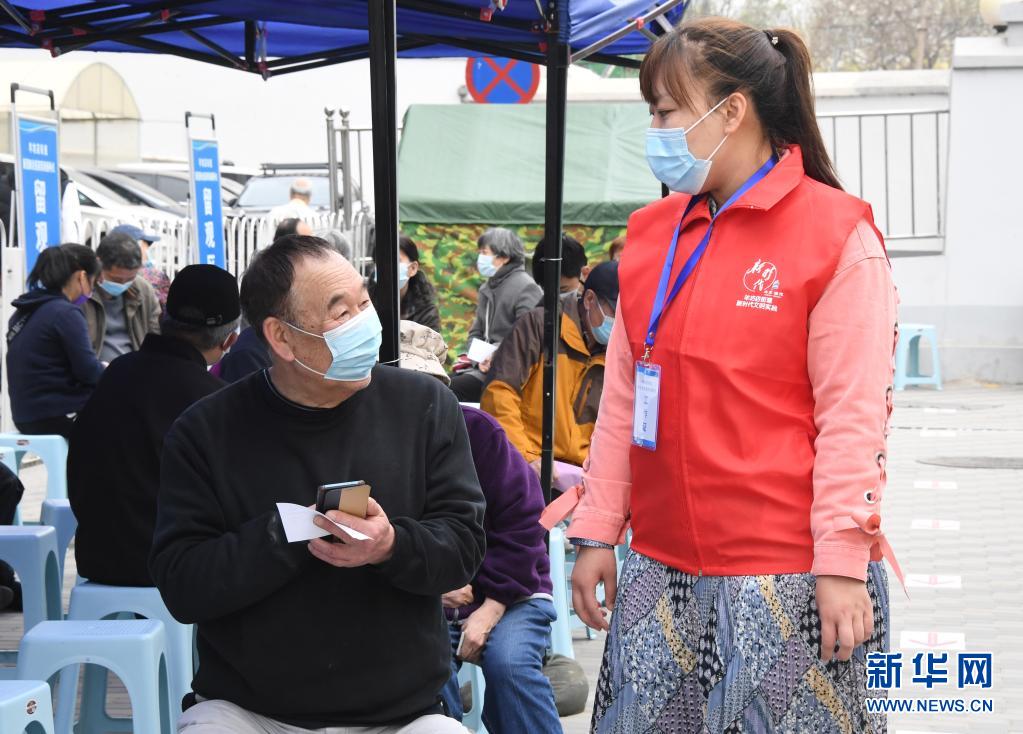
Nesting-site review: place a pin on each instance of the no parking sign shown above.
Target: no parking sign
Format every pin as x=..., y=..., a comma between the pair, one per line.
x=501, y=81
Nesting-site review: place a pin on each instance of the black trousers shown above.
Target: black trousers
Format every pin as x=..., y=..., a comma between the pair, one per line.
x=467, y=387
x=11, y=490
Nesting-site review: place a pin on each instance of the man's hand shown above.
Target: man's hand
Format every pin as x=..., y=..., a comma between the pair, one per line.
x=457, y=598
x=351, y=553
x=593, y=566
x=847, y=615
x=484, y=366
x=477, y=627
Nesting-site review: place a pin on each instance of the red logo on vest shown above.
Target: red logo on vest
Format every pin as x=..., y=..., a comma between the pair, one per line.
x=761, y=280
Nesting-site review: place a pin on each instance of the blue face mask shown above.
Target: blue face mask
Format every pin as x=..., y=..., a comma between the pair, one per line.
x=485, y=264
x=669, y=157
x=354, y=346
x=602, y=333
x=115, y=289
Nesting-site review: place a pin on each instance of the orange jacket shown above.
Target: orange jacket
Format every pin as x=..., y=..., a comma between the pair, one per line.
x=514, y=393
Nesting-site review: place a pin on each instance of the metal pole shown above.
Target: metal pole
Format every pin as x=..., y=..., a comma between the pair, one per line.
x=331, y=158
x=382, y=51
x=557, y=88
x=347, y=199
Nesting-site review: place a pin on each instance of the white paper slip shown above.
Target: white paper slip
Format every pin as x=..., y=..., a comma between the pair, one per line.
x=299, y=525
x=480, y=351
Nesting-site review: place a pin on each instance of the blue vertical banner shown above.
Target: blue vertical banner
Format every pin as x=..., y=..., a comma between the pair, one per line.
x=38, y=186
x=207, y=212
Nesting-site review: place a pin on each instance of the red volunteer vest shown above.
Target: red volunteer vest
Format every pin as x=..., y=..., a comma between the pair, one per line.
x=728, y=489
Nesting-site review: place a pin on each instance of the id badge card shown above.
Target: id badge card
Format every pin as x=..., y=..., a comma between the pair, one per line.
x=644, y=411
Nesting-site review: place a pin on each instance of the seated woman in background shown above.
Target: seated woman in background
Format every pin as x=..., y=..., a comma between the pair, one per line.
x=51, y=366
x=509, y=292
x=418, y=298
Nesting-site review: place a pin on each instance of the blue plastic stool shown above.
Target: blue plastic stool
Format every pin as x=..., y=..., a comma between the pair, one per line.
x=473, y=675
x=52, y=450
x=133, y=649
x=561, y=628
x=58, y=515
x=32, y=551
x=97, y=601
x=25, y=706
x=907, y=356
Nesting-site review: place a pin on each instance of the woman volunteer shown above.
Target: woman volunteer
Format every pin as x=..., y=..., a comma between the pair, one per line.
x=743, y=425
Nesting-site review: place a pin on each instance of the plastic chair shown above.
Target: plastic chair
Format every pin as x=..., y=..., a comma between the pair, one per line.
x=25, y=706
x=32, y=551
x=98, y=601
x=9, y=457
x=907, y=356
x=133, y=649
x=473, y=675
x=52, y=450
x=59, y=516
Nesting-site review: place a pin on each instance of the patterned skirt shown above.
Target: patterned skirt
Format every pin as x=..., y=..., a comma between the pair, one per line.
x=730, y=654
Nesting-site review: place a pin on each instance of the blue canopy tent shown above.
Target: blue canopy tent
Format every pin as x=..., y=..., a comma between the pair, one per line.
x=268, y=37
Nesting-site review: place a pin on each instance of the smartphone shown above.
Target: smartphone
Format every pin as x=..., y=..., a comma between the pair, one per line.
x=350, y=497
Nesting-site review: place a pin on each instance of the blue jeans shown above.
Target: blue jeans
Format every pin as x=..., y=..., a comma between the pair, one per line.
x=519, y=698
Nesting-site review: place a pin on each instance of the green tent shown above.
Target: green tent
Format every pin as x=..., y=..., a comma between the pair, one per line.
x=463, y=168
x=478, y=163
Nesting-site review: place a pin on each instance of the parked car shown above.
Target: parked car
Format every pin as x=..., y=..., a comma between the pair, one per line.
x=96, y=200
x=273, y=188
x=135, y=191
x=175, y=184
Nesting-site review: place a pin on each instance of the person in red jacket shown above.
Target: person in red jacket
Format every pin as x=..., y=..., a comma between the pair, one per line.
x=742, y=432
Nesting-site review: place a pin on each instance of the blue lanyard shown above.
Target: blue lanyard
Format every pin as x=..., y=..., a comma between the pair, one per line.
x=661, y=302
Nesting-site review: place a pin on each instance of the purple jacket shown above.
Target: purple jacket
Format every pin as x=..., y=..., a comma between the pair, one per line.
x=516, y=565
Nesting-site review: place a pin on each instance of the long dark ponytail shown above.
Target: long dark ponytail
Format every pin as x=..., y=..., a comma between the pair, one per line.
x=772, y=67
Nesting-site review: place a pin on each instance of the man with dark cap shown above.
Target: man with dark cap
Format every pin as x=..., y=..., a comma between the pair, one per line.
x=514, y=393
x=114, y=451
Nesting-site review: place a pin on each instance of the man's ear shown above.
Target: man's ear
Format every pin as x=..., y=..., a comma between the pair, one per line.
x=276, y=333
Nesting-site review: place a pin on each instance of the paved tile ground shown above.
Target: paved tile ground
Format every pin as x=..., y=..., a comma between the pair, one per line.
x=969, y=577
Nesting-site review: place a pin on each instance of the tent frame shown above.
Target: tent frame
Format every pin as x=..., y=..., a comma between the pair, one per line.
x=79, y=26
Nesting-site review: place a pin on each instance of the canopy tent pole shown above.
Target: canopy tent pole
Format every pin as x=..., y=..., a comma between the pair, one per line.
x=639, y=24
x=557, y=93
x=382, y=54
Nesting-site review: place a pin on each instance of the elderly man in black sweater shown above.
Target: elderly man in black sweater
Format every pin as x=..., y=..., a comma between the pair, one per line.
x=312, y=636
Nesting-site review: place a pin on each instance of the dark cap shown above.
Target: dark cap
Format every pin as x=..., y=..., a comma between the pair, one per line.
x=203, y=295
x=603, y=280
x=136, y=233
